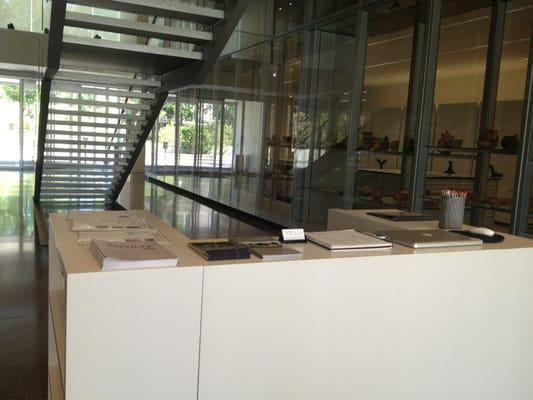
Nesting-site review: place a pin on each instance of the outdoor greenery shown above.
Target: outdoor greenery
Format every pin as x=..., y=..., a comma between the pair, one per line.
x=209, y=128
x=12, y=92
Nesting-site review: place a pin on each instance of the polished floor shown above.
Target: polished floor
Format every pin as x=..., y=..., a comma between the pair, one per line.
x=24, y=271
x=23, y=294
x=194, y=220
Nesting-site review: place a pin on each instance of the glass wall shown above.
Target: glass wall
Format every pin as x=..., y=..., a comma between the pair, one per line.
x=19, y=120
x=465, y=134
x=268, y=132
x=380, y=146
x=10, y=122
x=509, y=108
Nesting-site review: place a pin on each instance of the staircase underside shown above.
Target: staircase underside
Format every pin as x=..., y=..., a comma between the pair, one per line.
x=103, y=92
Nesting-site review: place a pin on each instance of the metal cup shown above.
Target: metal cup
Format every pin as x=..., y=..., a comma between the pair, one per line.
x=452, y=210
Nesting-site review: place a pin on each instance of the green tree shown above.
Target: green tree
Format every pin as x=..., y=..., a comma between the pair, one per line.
x=169, y=113
x=186, y=112
x=12, y=92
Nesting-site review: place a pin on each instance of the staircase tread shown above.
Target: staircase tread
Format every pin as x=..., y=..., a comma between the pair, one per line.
x=144, y=29
x=132, y=47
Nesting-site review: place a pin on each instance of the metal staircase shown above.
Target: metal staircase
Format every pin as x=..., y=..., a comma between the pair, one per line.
x=101, y=96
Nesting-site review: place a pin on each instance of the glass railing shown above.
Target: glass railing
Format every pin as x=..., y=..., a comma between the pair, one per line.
x=25, y=15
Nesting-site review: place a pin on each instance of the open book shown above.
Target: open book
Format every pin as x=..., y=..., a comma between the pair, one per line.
x=131, y=254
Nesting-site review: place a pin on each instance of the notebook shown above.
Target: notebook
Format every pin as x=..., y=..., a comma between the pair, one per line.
x=347, y=239
x=219, y=249
x=427, y=238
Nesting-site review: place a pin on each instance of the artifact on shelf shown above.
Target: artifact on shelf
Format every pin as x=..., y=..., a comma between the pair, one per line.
x=380, y=144
x=367, y=141
x=377, y=194
x=450, y=170
x=400, y=197
x=510, y=143
x=447, y=140
x=363, y=190
x=488, y=139
x=395, y=145
x=385, y=144
x=494, y=173
x=444, y=139
x=381, y=163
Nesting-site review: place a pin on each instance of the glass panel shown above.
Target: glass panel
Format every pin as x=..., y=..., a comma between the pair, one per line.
x=166, y=137
x=149, y=154
x=31, y=123
x=267, y=132
x=25, y=15
x=10, y=122
x=509, y=108
x=230, y=131
x=458, y=95
x=187, y=142
x=379, y=180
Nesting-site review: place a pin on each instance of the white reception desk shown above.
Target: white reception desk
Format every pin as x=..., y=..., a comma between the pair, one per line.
x=395, y=325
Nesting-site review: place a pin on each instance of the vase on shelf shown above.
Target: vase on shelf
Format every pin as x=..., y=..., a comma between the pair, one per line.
x=450, y=170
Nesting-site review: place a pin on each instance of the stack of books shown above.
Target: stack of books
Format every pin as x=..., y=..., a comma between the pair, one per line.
x=121, y=240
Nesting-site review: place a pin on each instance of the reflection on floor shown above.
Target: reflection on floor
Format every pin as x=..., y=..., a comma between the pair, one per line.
x=241, y=193
x=192, y=219
x=23, y=294
x=24, y=272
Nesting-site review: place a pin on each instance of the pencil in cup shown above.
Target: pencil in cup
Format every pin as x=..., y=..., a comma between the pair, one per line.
x=452, y=208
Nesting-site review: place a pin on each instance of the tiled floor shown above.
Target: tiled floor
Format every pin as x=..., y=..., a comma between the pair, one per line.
x=24, y=272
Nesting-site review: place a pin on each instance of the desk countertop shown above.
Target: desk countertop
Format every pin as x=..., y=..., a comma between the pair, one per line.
x=78, y=259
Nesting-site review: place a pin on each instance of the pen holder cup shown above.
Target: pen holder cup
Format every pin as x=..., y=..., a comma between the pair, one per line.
x=452, y=211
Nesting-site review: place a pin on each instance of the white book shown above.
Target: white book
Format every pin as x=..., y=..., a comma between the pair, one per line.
x=347, y=239
x=113, y=255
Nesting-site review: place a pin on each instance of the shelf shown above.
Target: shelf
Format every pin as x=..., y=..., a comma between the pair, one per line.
x=385, y=152
x=58, y=311
x=442, y=155
x=472, y=150
x=280, y=144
